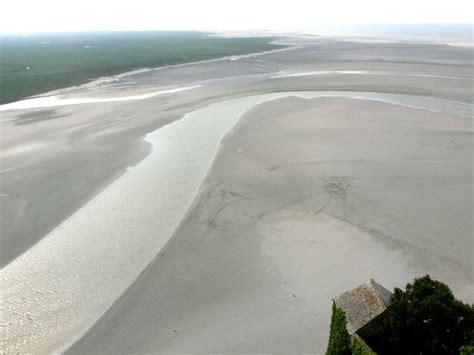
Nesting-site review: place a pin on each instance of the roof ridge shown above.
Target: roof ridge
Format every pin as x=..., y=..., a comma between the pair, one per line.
x=374, y=286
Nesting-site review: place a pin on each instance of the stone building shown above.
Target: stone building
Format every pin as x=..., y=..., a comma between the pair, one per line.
x=364, y=307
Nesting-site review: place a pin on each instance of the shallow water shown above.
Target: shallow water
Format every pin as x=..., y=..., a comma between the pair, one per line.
x=52, y=101
x=57, y=289
x=365, y=72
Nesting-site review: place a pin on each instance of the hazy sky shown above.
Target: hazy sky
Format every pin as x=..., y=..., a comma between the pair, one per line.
x=60, y=15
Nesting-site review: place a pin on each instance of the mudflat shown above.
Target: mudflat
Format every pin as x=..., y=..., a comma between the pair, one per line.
x=306, y=197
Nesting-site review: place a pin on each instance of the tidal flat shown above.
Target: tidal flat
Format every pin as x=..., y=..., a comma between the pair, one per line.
x=225, y=217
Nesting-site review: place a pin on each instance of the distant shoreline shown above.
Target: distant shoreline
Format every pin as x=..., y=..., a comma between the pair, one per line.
x=23, y=79
x=41, y=63
x=102, y=79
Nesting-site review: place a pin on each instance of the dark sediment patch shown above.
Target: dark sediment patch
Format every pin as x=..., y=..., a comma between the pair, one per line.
x=36, y=116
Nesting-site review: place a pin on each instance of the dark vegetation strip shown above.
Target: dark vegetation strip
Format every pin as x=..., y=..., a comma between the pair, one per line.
x=37, y=63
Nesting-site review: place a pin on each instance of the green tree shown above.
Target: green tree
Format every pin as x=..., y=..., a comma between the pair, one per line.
x=425, y=319
x=339, y=339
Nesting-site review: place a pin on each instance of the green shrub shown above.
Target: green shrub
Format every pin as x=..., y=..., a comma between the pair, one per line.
x=339, y=339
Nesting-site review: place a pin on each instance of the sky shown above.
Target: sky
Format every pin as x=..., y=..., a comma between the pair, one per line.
x=76, y=15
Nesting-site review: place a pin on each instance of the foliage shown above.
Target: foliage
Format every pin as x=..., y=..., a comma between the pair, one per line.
x=424, y=319
x=339, y=338
x=467, y=350
x=359, y=347
x=36, y=63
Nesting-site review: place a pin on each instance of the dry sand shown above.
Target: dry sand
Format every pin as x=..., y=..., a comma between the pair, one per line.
x=306, y=198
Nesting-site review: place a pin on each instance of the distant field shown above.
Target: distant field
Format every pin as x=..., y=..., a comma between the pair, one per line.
x=38, y=63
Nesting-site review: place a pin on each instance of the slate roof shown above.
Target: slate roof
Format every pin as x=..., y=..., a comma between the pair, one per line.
x=363, y=304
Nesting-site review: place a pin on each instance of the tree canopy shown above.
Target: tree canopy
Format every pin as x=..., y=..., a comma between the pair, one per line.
x=425, y=318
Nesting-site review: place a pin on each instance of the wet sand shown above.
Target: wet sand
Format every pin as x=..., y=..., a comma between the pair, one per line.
x=305, y=199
